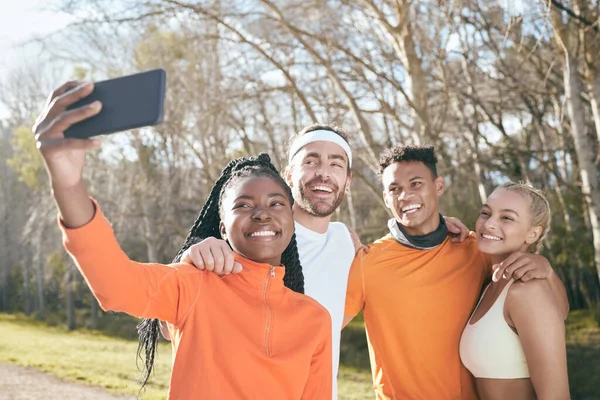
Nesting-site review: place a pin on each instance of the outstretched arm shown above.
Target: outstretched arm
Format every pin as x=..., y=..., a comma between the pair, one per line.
x=117, y=282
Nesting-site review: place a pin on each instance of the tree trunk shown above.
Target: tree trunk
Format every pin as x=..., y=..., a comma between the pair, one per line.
x=94, y=313
x=70, y=308
x=415, y=74
x=148, y=204
x=150, y=231
x=351, y=209
x=574, y=275
x=7, y=262
x=584, y=149
x=589, y=38
x=26, y=287
x=594, y=91
x=402, y=38
x=584, y=145
x=39, y=275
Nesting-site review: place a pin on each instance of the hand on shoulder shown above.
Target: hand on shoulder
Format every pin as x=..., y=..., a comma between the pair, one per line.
x=355, y=240
x=212, y=254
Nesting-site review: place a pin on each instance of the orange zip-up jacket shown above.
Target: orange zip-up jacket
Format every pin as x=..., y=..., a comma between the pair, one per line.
x=242, y=336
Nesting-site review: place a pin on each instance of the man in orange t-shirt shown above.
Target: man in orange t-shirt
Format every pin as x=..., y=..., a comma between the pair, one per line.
x=417, y=288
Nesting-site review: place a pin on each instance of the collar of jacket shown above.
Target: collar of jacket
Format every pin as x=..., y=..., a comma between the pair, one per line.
x=259, y=274
x=425, y=242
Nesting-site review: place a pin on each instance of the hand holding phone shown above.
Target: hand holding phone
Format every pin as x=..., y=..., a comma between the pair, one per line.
x=128, y=102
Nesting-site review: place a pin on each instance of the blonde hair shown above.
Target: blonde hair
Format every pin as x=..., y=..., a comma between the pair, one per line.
x=540, y=210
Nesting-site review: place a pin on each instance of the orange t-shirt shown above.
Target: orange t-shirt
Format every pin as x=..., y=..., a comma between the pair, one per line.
x=416, y=304
x=243, y=336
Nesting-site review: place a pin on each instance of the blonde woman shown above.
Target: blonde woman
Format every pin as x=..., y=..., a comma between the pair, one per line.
x=514, y=342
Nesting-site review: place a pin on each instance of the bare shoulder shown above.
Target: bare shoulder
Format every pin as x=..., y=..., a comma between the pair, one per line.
x=531, y=294
x=532, y=288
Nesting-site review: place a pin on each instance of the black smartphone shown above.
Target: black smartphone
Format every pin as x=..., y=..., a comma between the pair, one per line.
x=128, y=102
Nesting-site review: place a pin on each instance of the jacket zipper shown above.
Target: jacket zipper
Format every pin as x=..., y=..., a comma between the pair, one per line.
x=270, y=276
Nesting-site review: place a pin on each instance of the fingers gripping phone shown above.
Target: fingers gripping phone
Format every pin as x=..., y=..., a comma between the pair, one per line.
x=128, y=102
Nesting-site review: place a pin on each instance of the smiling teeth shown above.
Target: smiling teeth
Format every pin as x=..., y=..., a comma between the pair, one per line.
x=263, y=233
x=411, y=207
x=490, y=237
x=323, y=188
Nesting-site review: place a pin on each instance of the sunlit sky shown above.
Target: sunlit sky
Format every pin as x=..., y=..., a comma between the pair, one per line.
x=21, y=21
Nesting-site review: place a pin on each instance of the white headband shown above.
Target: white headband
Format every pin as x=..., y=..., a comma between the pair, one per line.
x=318, y=136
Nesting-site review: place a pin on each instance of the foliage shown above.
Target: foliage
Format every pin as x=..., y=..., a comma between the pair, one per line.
x=26, y=160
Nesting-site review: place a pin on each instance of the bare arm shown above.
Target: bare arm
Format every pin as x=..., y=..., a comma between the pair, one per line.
x=560, y=294
x=532, y=310
x=347, y=319
x=64, y=158
x=355, y=291
x=355, y=240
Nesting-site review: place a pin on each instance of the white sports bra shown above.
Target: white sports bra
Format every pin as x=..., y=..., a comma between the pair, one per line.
x=489, y=348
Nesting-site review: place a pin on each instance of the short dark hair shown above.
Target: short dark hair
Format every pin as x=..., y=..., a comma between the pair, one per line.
x=424, y=154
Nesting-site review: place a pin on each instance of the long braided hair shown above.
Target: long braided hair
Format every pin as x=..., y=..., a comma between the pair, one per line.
x=207, y=225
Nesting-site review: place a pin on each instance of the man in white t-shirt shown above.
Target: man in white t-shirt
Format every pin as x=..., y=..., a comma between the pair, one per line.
x=319, y=173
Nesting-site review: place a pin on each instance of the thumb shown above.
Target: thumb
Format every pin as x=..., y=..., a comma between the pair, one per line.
x=497, y=274
x=453, y=228
x=237, y=268
x=187, y=258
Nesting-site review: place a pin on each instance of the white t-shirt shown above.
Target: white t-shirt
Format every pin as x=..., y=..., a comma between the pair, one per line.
x=326, y=259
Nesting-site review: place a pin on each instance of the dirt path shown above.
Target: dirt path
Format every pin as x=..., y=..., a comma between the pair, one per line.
x=18, y=383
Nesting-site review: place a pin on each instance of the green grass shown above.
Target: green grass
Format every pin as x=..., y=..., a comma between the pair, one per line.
x=96, y=359
x=80, y=356
x=583, y=353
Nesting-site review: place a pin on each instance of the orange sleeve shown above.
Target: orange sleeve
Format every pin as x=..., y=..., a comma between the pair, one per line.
x=355, y=293
x=320, y=381
x=119, y=284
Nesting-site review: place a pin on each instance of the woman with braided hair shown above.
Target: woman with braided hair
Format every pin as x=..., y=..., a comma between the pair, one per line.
x=514, y=342
x=253, y=335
